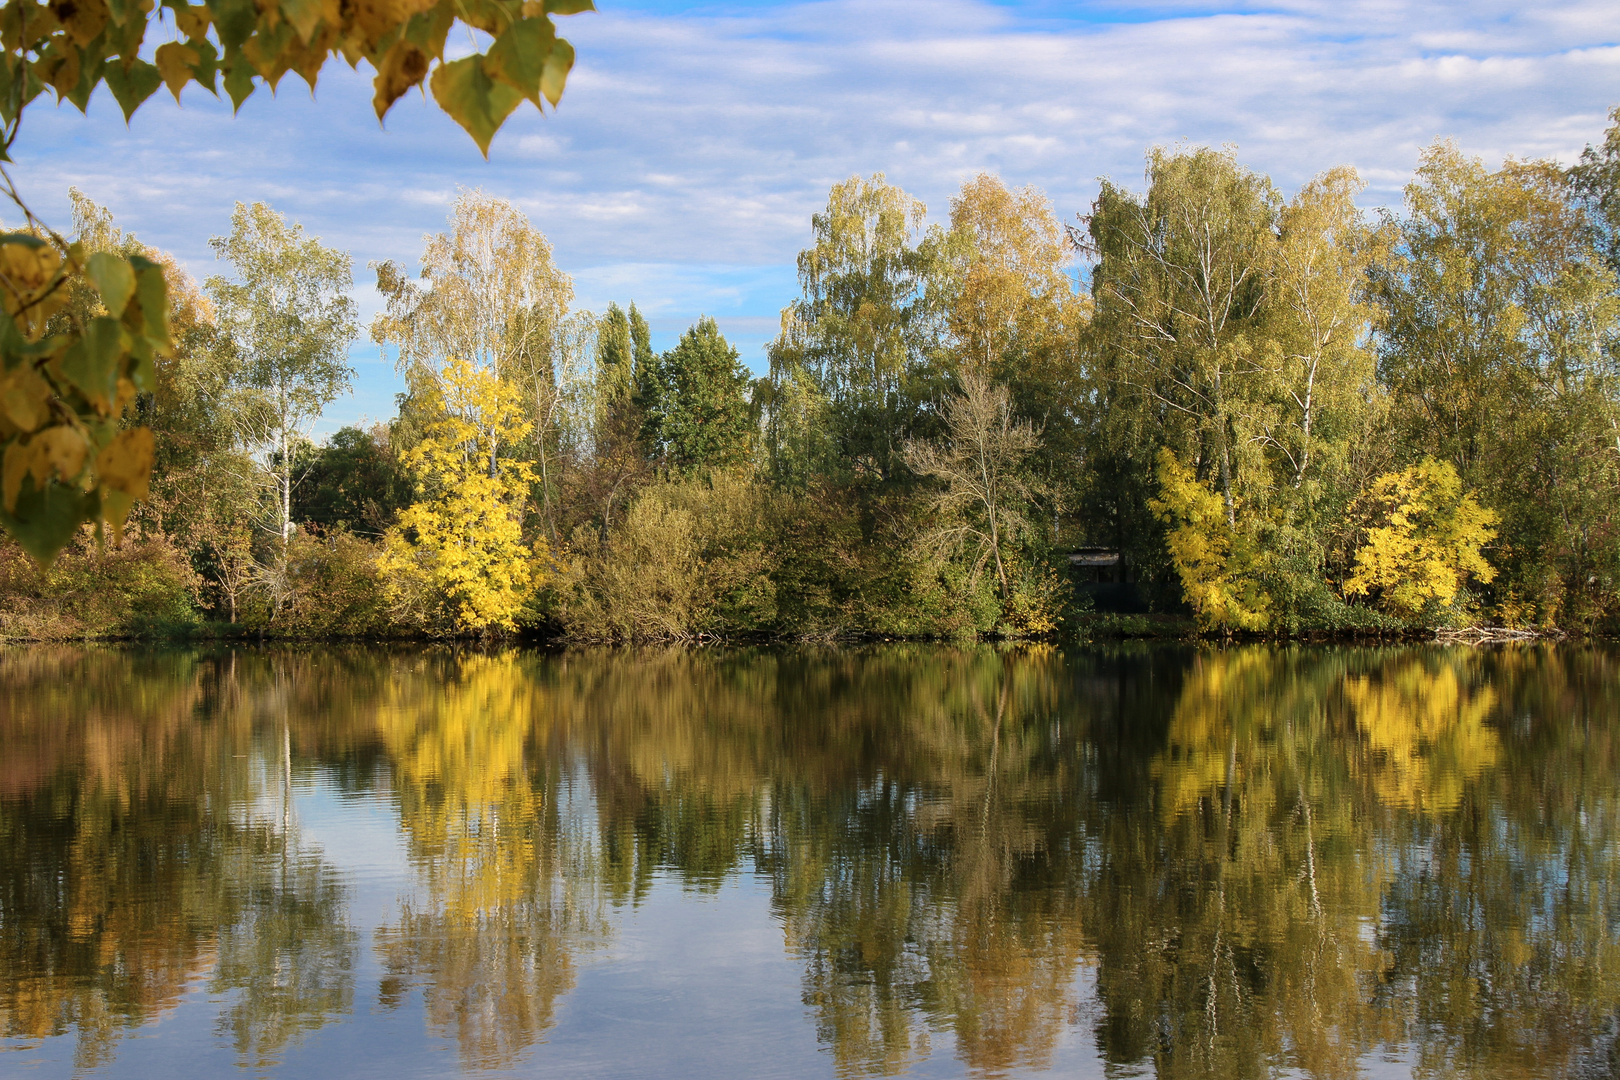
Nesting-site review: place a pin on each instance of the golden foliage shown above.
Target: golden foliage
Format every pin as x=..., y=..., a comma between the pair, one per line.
x=464, y=538
x=1426, y=543
x=72, y=48
x=1218, y=564
x=66, y=382
x=1427, y=732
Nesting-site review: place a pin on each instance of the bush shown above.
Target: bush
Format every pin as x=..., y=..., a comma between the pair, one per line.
x=689, y=559
x=335, y=589
x=141, y=587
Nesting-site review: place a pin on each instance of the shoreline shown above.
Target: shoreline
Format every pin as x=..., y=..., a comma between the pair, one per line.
x=1154, y=629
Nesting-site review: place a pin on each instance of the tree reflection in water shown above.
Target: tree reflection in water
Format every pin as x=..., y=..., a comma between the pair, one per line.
x=143, y=847
x=1263, y=859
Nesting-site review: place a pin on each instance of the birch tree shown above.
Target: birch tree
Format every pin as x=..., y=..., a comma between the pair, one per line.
x=1178, y=286
x=489, y=295
x=1321, y=318
x=287, y=322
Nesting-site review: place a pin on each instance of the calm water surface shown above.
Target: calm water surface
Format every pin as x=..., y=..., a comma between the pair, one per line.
x=943, y=862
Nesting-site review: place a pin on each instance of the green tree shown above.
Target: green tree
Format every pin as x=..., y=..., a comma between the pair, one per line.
x=855, y=349
x=1498, y=345
x=1596, y=181
x=698, y=415
x=287, y=321
x=1179, y=287
x=354, y=482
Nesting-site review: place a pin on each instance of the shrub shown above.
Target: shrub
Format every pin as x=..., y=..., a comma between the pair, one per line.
x=688, y=559
x=335, y=587
x=140, y=587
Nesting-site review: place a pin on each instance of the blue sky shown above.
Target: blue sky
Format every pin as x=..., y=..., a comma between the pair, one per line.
x=695, y=140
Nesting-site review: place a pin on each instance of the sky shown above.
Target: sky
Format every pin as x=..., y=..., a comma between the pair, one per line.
x=695, y=140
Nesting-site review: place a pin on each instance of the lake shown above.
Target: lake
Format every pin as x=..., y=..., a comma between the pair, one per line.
x=919, y=859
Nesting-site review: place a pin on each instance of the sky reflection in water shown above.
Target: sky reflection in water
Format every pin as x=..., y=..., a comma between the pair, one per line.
x=920, y=859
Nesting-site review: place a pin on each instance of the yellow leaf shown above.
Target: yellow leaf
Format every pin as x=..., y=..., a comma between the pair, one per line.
x=83, y=19
x=115, y=506
x=125, y=465
x=26, y=268
x=25, y=398
x=402, y=67
x=193, y=21
x=174, y=63
x=58, y=451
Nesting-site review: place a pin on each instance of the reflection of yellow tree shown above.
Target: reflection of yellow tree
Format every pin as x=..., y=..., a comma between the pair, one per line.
x=494, y=934
x=1259, y=953
x=1425, y=729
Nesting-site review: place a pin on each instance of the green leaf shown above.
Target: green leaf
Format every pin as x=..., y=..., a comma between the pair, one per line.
x=490, y=16
x=132, y=85
x=90, y=73
x=153, y=291
x=304, y=17
x=44, y=521
x=239, y=81
x=91, y=363
x=114, y=280
x=568, y=7
x=475, y=101
x=518, y=57
x=428, y=29
x=234, y=21
x=206, y=70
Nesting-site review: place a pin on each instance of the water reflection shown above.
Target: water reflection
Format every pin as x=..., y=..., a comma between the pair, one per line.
x=143, y=847
x=1204, y=863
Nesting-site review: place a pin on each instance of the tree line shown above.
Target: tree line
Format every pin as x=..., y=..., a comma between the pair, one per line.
x=1283, y=412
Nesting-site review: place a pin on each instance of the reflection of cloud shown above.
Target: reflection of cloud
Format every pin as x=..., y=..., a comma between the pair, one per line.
x=702, y=140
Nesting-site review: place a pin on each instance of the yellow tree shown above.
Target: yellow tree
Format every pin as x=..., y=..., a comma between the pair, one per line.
x=1015, y=292
x=1217, y=561
x=491, y=295
x=1426, y=541
x=461, y=545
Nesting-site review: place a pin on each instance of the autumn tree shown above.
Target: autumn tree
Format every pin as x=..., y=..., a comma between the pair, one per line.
x=286, y=322
x=982, y=497
x=1424, y=536
x=1498, y=348
x=1013, y=315
x=1219, y=565
x=1179, y=285
x=460, y=546
x=490, y=296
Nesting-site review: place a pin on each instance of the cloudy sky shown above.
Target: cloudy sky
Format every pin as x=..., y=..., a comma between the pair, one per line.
x=695, y=141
